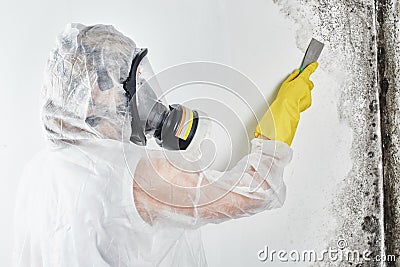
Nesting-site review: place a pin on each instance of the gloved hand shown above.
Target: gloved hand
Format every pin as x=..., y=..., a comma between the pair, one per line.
x=281, y=120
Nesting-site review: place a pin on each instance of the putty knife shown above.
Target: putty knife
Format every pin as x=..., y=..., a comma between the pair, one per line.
x=312, y=54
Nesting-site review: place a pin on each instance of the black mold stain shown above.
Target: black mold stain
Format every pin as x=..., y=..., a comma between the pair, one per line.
x=370, y=224
x=373, y=106
x=386, y=140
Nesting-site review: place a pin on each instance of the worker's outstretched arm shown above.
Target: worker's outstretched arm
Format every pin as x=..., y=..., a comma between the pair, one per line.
x=165, y=194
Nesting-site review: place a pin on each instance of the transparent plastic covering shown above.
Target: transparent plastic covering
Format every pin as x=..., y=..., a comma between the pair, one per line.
x=96, y=200
x=83, y=93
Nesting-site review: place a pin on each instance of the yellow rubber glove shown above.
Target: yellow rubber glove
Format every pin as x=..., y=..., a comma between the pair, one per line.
x=281, y=120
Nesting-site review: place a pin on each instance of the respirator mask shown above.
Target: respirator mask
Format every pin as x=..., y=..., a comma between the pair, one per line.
x=174, y=127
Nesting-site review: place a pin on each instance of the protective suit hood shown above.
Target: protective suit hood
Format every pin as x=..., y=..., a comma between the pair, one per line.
x=83, y=92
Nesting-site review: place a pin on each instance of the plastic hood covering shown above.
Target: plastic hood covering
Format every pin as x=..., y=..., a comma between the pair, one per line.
x=96, y=201
x=82, y=91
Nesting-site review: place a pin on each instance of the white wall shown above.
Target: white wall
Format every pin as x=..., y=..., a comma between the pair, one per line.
x=252, y=37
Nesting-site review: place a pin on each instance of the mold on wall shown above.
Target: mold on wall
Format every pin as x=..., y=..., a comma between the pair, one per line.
x=389, y=80
x=348, y=28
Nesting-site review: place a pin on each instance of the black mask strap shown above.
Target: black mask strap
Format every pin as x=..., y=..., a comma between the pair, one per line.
x=137, y=133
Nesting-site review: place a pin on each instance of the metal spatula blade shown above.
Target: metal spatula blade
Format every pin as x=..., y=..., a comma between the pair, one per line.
x=312, y=54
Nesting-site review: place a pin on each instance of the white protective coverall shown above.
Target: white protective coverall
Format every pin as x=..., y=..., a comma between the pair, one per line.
x=78, y=202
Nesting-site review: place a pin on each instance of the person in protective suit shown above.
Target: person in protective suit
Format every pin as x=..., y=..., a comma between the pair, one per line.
x=79, y=205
